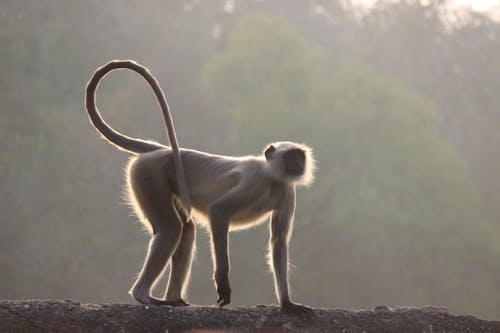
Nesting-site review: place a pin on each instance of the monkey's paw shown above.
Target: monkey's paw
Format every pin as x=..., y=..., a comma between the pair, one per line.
x=298, y=310
x=224, y=292
x=178, y=302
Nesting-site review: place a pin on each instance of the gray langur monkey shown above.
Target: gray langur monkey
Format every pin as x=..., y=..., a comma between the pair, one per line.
x=225, y=193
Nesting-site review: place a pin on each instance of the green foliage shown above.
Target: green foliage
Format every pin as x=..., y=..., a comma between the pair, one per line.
x=391, y=194
x=243, y=79
x=402, y=112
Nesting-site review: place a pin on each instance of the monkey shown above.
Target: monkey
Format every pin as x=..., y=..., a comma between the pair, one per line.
x=172, y=188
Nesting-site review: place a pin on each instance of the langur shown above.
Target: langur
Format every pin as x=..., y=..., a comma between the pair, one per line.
x=170, y=187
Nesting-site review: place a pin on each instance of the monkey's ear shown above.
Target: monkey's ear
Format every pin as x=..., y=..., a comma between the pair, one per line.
x=269, y=152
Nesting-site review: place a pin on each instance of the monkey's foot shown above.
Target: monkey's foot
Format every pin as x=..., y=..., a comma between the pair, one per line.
x=223, y=290
x=299, y=310
x=177, y=302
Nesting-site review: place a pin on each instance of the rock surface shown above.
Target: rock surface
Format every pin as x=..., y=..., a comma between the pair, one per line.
x=69, y=316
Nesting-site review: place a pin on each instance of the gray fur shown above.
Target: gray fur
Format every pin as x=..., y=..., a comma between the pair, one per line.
x=225, y=193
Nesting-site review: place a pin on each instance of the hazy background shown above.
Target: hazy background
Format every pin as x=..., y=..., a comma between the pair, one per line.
x=400, y=101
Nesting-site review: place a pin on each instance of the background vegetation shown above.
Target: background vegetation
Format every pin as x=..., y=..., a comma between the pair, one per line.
x=400, y=102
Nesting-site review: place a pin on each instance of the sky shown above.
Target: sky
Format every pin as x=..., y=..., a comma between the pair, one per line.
x=457, y=8
x=477, y=5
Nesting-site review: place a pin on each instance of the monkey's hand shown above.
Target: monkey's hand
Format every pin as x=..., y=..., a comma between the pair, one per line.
x=299, y=310
x=223, y=289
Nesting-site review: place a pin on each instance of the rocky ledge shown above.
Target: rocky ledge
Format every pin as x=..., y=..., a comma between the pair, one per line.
x=69, y=316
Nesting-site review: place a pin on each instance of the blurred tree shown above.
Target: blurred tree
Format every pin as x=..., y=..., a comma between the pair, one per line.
x=249, y=68
x=453, y=63
x=393, y=209
x=60, y=184
x=393, y=217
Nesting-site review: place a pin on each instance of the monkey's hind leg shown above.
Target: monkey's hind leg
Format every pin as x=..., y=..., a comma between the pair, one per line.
x=156, y=203
x=180, y=267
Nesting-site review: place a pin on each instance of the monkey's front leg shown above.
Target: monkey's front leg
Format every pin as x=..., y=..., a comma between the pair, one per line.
x=220, y=232
x=280, y=235
x=279, y=248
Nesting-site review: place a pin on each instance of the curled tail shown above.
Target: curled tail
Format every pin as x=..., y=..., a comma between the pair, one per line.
x=122, y=141
x=133, y=145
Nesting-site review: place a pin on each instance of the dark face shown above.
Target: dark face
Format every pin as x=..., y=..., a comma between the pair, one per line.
x=294, y=161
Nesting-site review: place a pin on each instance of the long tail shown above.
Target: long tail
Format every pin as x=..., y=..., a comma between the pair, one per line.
x=122, y=141
x=127, y=143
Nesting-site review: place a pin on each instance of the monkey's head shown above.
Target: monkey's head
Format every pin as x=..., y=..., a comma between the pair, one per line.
x=290, y=162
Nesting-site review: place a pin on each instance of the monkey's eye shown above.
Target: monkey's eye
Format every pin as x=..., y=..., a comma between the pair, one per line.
x=269, y=152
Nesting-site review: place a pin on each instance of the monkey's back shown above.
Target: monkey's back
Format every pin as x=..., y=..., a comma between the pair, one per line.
x=210, y=176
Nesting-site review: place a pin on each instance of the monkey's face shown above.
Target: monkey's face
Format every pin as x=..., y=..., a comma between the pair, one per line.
x=294, y=162
x=290, y=162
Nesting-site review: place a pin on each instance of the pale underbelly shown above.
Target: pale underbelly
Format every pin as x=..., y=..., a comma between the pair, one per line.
x=239, y=221
x=243, y=222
